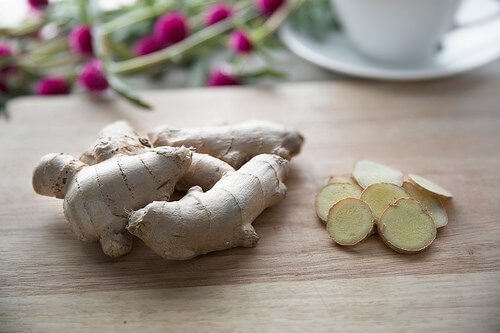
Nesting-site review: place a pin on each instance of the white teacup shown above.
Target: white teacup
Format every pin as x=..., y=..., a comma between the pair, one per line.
x=396, y=31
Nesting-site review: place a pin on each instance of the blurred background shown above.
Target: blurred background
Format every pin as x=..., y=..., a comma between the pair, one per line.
x=114, y=47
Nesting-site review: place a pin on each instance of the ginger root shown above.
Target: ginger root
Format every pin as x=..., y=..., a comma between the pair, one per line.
x=115, y=139
x=119, y=138
x=234, y=144
x=97, y=198
x=204, y=171
x=218, y=219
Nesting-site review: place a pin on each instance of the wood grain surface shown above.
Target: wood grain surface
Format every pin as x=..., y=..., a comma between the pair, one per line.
x=296, y=279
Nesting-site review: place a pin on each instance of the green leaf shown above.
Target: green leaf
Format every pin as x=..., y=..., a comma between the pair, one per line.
x=123, y=90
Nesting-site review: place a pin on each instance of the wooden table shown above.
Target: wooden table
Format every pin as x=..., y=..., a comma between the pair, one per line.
x=296, y=279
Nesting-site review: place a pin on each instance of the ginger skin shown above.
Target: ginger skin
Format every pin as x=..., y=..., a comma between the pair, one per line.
x=234, y=144
x=97, y=198
x=115, y=139
x=218, y=219
x=204, y=171
x=119, y=138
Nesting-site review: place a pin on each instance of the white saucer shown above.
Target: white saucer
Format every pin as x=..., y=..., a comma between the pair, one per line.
x=462, y=50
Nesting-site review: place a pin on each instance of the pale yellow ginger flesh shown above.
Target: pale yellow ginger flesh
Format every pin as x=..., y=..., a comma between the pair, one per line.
x=349, y=221
x=430, y=202
x=221, y=218
x=115, y=139
x=367, y=172
x=234, y=144
x=406, y=226
x=331, y=194
x=429, y=186
x=380, y=195
x=97, y=198
x=119, y=138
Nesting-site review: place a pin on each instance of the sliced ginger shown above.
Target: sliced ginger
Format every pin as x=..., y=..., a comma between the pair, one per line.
x=430, y=202
x=342, y=179
x=429, y=186
x=349, y=221
x=368, y=172
x=406, y=226
x=331, y=194
x=380, y=195
x=406, y=215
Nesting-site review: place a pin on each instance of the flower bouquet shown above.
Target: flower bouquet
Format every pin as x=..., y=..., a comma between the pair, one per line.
x=73, y=45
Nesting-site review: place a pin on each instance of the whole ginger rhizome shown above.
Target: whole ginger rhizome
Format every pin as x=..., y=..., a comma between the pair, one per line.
x=121, y=186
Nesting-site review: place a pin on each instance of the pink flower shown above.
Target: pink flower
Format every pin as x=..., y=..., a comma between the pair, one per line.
x=3, y=88
x=217, y=13
x=171, y=28
x=239, y=42
x=268, y=7
x=5, y=50
x=38, y=4
x=52, y=85
x=220, y=77
x=92, y=76
x=80, y=40
x=146, y=45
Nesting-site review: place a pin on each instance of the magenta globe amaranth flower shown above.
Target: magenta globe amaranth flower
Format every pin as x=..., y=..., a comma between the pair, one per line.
x=92, y=77
x=3, y=88
x=239, y=42
x=52, y=85
x=217, y=13
x=146, y=45
x=80, y=40
x=268, y=7
x=5, y=50
x=170, y=29
x=38, y=4
x=221, y=77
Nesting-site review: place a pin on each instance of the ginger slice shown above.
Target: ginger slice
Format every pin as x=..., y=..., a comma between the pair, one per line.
x=430, y=202
x=430, y=186
x=406, y=226
x=331, y=194
x=380, y=195
x=349, y=221
x=368, y=172
x=342, y=179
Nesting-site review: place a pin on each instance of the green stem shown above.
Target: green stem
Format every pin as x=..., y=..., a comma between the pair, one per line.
x=275, y=21
x=46, y=50
x=25, y=29
x=65, y=60
x=102, y=51
x=135, y=16
x=175, y=51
